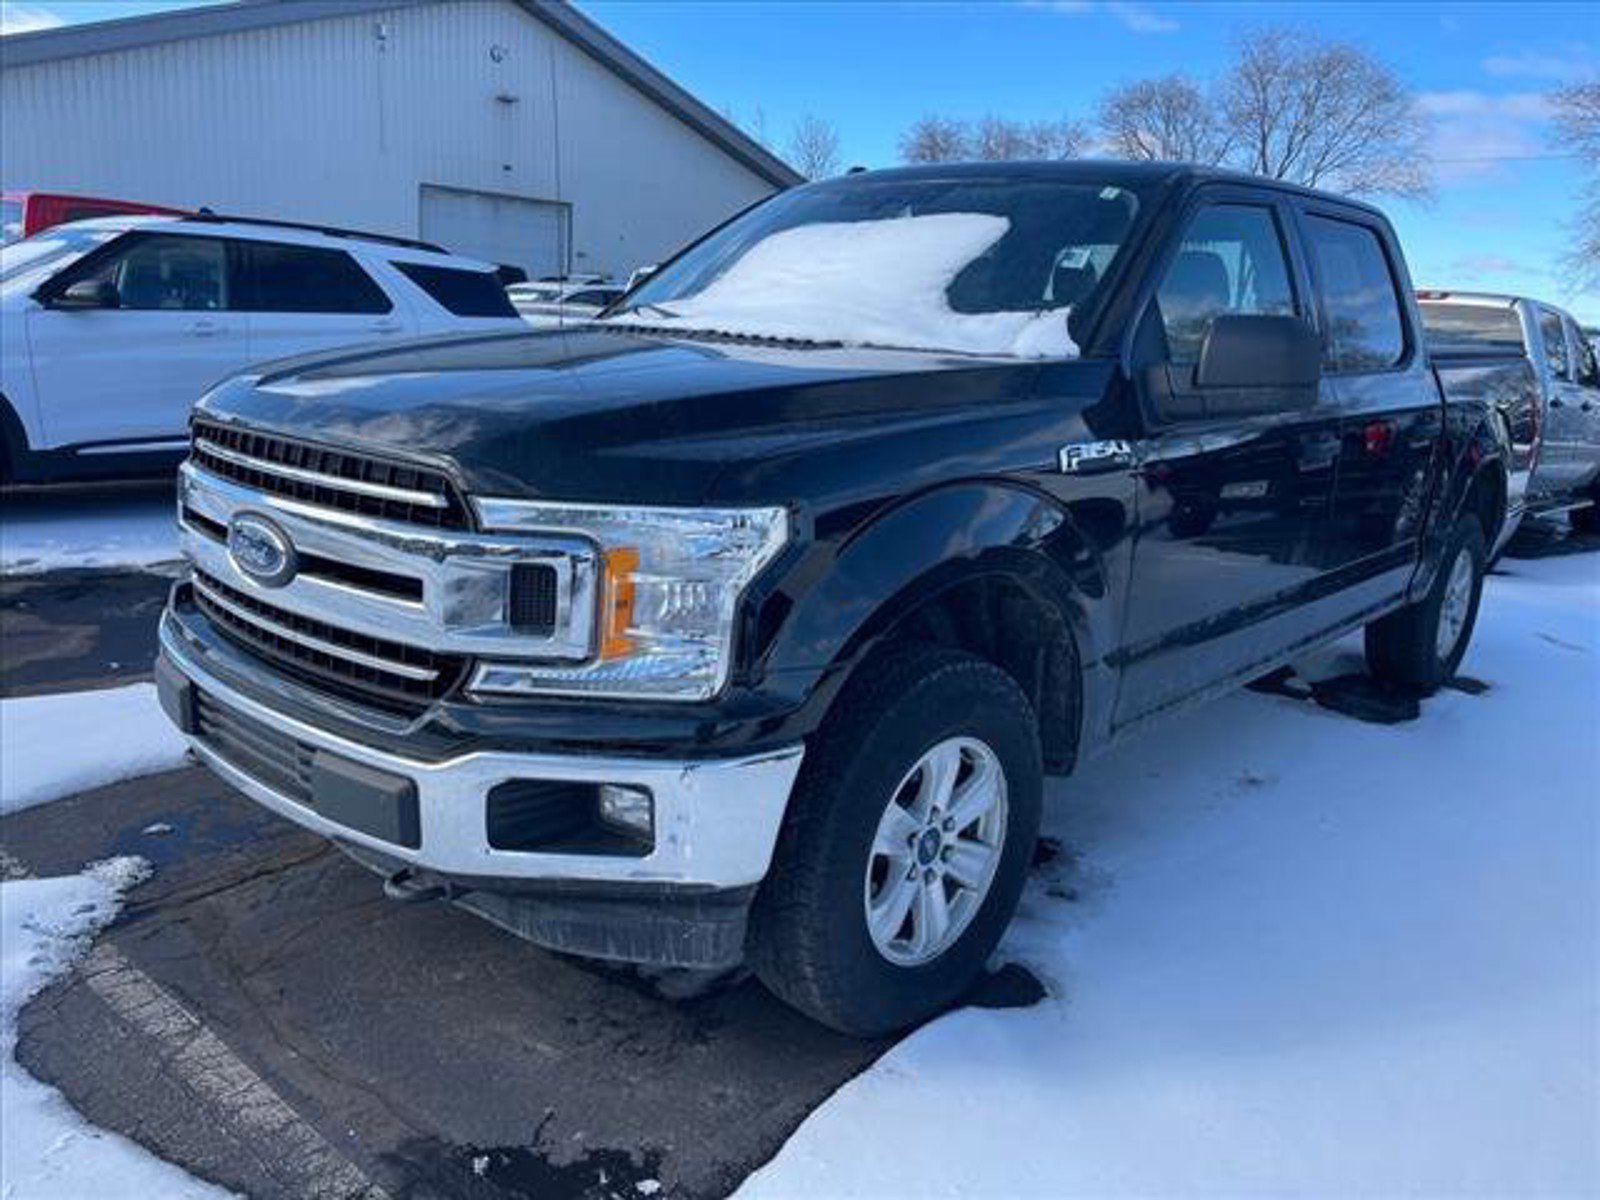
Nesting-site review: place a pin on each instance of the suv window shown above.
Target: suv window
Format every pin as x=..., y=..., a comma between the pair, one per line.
x=1365, y=329
x=1231, y=260
x=168, y=272
x=307, y=279
x=1555, y=344
x=463, y=293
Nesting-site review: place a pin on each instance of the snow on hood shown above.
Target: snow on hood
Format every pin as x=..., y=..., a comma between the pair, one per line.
x=868, y=283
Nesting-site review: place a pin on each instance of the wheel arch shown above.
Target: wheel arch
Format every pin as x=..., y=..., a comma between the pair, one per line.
x=995, y=569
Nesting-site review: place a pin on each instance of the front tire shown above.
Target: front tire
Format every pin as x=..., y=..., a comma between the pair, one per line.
x=1420, y=646
x=906, y=845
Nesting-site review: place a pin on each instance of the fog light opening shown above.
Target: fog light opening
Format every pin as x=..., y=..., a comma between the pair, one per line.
x=628, y=810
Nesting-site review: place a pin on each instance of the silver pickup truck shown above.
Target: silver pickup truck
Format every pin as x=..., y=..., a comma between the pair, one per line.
x=1561, y=426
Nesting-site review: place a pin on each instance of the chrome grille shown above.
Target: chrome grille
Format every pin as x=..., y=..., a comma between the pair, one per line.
x=386, y=674
x=336, y=479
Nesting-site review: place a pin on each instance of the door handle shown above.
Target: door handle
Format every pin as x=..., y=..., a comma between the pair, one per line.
x=386, y=326
x=205, y=329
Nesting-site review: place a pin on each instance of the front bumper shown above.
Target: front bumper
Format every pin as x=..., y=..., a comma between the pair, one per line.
x=716, y=820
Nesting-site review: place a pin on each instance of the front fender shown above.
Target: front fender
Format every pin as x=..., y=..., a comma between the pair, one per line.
x=921, y=547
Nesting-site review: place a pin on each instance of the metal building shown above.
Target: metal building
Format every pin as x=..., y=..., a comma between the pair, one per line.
x=517, y=131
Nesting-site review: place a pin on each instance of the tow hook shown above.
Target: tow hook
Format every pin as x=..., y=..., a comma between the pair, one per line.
x=404, y=887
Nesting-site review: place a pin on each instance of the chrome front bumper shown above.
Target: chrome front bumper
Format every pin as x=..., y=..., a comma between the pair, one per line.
x=716, y=820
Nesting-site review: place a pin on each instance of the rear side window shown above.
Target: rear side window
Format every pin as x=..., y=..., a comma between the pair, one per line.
x=307, y=279
x=1555, y=344
x=1365, y=329
x=1472, y=328
x=1231, y=260
x=463, y=293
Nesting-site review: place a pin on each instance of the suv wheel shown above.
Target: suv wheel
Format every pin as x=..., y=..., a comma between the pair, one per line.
x=1420, y=646
x=906, y=845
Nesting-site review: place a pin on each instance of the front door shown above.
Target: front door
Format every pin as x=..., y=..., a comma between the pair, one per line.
x=1230, y=510
x=130, y=373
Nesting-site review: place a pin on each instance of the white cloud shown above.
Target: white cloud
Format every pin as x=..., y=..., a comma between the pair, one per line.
x=1141, y=19
x=1478, y=134
x=1576, y=63
x=25, y=18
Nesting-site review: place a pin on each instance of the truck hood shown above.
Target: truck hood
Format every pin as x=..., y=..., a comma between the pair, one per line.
x=632, y=417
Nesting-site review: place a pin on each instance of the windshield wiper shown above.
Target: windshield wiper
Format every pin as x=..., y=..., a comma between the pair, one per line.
x=655, y=308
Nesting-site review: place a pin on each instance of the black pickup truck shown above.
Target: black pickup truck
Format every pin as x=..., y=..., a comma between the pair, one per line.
x=745, y=622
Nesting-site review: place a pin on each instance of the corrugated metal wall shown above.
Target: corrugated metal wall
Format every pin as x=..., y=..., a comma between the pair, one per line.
x=342, y=121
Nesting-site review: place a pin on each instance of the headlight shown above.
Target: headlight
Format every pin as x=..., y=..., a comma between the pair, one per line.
x=668, y=582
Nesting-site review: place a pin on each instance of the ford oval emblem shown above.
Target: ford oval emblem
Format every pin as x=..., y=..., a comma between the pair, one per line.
x=261, y=550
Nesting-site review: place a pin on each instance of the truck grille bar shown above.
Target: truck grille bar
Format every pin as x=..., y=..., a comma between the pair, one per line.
x=386, y=674
x=336, y=479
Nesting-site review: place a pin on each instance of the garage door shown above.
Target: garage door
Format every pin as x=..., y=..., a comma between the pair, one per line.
x=531, y=234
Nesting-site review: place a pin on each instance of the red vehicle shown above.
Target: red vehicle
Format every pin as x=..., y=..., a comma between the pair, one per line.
x=23, y=214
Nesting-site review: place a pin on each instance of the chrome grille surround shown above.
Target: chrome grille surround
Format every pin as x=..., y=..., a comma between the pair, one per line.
x=465, y=577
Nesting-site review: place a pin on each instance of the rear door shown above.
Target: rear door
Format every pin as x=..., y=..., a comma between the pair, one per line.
x=1565, y=456
x=308, y=298
x=1225, y=568
x=1388, y=403
x=129, y=374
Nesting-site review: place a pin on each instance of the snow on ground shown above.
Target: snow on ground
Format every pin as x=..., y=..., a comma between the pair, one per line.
x=50, y=531
x=867, y=283
x=53, y=746
x=1307, y=956
x=46, y=1148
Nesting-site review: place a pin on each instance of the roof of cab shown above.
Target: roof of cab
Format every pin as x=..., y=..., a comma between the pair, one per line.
x=1115, y=172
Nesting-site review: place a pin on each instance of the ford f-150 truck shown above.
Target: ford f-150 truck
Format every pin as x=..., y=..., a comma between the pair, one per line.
x=1552, y=411
x=746, y=621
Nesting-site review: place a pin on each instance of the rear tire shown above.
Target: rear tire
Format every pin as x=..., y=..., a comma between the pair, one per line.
x=889, y=890
x=1420, y=646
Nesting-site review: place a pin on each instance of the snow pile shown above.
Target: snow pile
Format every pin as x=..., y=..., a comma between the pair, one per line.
x=867, y=283
x=50, y=532
x=1290, y=954
x=46, y=1149
x=53, y=746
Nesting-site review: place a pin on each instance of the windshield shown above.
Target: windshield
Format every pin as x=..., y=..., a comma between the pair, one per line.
x=51, y=248
x=989, y=266
x=1468, y=328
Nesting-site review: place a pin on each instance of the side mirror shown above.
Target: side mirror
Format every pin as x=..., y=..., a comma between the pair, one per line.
x=87, y=294
x=1256, y=364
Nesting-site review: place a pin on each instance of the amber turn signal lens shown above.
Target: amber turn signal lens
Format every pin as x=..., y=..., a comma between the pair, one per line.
x=617, y=602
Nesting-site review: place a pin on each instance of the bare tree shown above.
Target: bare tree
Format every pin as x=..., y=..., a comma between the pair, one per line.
x=814, y=147
x=933, y=139
x=1577, y=122
x=1325, y=114
x=992, y=139
x=1170, y=119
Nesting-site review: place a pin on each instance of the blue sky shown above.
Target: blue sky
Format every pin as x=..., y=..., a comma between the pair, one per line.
x=1504, y=204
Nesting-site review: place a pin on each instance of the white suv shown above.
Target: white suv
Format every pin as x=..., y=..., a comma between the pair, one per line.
x=110, y=329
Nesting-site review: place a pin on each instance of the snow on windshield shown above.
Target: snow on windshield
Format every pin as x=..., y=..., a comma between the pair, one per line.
x=867, y=283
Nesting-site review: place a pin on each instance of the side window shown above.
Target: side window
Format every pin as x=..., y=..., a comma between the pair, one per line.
x=1588, y=362
x=308, y=279
x=1365, y=329
x=168, y=272
x=1555, y=344
x=1231, y=260
x=462, y=293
